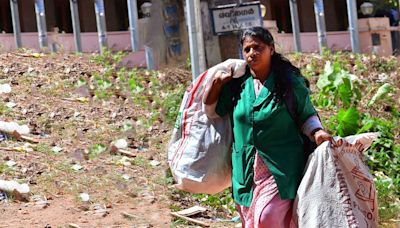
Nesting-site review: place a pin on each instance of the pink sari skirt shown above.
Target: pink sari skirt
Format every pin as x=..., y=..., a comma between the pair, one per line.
x=266, y=209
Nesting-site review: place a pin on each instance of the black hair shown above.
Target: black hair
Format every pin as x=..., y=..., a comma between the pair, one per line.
x=279, y=64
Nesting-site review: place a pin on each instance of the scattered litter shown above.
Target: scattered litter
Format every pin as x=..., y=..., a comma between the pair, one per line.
x=3, y=137
x=10, y=127
x=3, y=196
x=192, y=211
x=56, y=149
x=11, y=186
x=236, y=219
x=76, y=114
x=127, y=215
x=84, y=197
x=100, y=209
x=5, y=88
x=124, y=161
x=116, y=150
x=72, y=225
x=126, y=126
x=154, y=163
x=126, y=177
x=40, y=201
x=183, y=214
x=192, y=220
x=10, y=163
x=77, y=167
x=27, y=147
x=18, y=136
x=78, y=99
x=10, y=104
x=121, y=143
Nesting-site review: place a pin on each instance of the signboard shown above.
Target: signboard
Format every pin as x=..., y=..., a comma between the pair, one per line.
x=233, y=17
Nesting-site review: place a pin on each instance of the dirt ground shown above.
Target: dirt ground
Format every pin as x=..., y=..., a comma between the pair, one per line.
x=71, y=127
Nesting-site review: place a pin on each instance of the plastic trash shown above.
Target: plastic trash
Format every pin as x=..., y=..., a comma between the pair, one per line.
x=5, y=88
x=84, y=197
x=121, y=143
x=77, y=167
x=56, y=149
x=10, y=127
x=3, y=196
x=10, y=186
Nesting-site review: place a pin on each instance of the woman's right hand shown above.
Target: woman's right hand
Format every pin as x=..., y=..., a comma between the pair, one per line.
x=214, y=88
x=223, y=76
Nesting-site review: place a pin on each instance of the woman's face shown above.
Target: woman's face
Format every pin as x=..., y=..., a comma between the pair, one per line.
x=257, y=54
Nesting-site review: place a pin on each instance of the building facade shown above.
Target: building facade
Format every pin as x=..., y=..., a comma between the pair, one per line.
x=166, y=32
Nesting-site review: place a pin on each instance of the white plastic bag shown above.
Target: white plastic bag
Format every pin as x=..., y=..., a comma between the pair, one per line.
x=199, y=153
x=337, y=189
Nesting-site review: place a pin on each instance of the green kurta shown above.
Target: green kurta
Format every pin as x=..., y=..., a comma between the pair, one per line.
x=263, y=124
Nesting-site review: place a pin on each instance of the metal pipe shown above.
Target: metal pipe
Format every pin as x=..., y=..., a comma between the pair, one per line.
x=295, y=25
x=101, y=24
x=41, y=23
x=353, y=25
x=200, y=39
x=320, y=20
x=133, y=24
x=194, y=36
x=16, y=23
x=76, y=24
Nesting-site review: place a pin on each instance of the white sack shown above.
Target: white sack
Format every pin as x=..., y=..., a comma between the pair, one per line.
x=337, y=189
x=199, y=153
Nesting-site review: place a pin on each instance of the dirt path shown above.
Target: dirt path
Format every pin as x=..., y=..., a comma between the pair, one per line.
x=63, y=211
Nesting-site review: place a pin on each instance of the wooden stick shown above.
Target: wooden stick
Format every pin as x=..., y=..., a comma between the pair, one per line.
x=8, y=149
x=196, y=221
x=30, y=139
x=116, y=150
x=18, y=136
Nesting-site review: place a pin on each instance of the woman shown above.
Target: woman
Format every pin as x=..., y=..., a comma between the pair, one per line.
x=267, y=151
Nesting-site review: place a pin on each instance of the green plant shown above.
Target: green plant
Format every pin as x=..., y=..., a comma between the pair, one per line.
x=338, y=84
x=381, y=93
x=96, y=150
x=222, y=201
x=389, y=204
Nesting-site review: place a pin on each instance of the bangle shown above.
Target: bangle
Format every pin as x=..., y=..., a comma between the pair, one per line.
x=315, y=130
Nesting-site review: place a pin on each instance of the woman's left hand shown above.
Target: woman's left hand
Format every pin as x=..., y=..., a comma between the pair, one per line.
x=321, y=136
